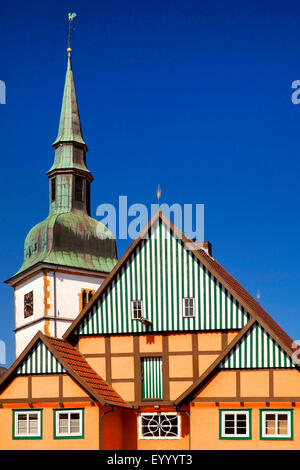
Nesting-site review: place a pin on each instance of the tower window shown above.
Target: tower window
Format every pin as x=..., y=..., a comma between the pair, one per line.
x=78, y=188
x=28, y=304
x=53, y=189
x=84, y=297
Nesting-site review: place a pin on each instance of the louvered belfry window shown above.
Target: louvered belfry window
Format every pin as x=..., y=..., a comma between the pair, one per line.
x=152, y=379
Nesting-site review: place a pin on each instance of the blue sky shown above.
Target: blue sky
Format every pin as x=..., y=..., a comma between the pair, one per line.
x=193, y=95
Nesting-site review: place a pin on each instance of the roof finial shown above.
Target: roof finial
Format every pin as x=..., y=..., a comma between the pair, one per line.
x=71, y=17
x=158, y=193
x=258, y=295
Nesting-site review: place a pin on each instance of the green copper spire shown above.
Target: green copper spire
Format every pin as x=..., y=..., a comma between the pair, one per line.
x=69, y=124
x=69, y=236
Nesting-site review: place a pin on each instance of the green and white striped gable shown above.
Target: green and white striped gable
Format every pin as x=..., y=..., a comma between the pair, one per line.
x=162, y=271
x=40, y=361
x=257, y=349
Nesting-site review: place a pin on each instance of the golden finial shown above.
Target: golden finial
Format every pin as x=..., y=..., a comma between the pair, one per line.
x=71, y=17
x=158, y=193
x=258, y=295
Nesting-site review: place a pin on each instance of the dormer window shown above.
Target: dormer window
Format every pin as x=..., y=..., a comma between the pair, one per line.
x=188, y=307
x=136, y=309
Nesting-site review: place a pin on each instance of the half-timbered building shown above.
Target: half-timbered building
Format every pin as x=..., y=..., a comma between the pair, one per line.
x=170, y=352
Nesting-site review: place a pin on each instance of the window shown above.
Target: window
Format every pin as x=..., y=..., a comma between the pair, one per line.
x=84, y=297
x=159, y=426
x=53, y=189
x=235, y=424
x=188, y=307
x=152, y=378
x=27, y=424
x=276, y=424
x=78, y=188
x=28, y=304
x=136, y=309
x=68, y=423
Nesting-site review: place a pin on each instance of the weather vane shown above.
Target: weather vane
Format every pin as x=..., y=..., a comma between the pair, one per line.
x=158, y=193
x=71, y=17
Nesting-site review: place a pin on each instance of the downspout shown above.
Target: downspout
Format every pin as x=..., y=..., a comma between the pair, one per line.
x=101, y=424
x=189, y=418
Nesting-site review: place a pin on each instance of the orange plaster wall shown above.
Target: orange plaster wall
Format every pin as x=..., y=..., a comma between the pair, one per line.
x=92, y=345
x=98, y=364
x=204, y=361
x=18, y=388
x=254, y=383
x=71, y=388
x=181, y=366
x=91, y=432
x=177, y=388
x=286, y=383
x=209, y=341
x=223, y=384
x=122, y=367
x=150, y=343
x=125, y=390
x=121, y=344
x=113, y=429
x=180, y=342
x=206, y=437
x=45, y=386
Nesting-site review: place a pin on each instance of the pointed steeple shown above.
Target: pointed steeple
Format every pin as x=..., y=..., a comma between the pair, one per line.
x=69, y=176
x=69, y=124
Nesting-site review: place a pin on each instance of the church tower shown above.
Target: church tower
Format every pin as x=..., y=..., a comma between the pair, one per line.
x=69, y=254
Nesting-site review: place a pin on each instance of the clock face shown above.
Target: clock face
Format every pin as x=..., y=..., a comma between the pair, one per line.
x=28, y=304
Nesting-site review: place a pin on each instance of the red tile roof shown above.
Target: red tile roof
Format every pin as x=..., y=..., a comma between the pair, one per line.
x=77, y=363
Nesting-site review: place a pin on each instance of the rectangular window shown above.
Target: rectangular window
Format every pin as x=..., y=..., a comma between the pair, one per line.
x=159, y=426
x=136, y=309
x=28, y=304
x=53, y=189
x=152, y=378
x=235, y=424
x=68, y=423
x=188, y=307
x=78, y=188
x=276, y=424
x=27, y=424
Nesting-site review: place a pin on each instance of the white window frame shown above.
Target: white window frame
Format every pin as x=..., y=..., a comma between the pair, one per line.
x=27, y=413
x=132, y=308
x=235, y=435
x=69, y=412
x=276, y=413
x=160, y=437
x=183, y=307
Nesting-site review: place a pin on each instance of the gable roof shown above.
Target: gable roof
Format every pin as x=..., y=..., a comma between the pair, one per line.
x=75, y=365
x=231, y=284
x=218, y=364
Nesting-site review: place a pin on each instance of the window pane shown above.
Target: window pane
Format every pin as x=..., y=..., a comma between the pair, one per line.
x=63, y=423
x=270, y=423
x=22, y=424
x=33, y=423
x=283, y=424
x=75, y=423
